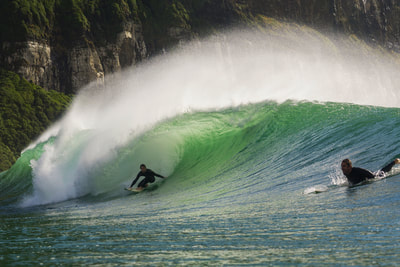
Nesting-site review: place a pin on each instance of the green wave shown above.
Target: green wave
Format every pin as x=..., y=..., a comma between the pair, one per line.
x=233, y=153
x=274, y=148
x=17, y=181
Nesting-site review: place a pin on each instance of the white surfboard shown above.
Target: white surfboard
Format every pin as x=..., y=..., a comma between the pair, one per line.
x=315, y=189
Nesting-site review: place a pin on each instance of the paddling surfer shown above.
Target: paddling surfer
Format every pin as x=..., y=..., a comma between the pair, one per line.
x=357, y=175
x=148, y=177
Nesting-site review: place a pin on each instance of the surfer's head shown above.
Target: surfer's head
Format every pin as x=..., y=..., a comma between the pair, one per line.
x=143, y=167
x=347, y=166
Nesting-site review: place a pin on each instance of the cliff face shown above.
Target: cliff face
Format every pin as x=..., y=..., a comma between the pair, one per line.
x=73, y=42
x=64, y=45
x=39, y=61
x=374, y=20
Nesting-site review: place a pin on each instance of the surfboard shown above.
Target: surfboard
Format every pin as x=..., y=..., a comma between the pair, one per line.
x=315, y=189
x=150, y=187
x=135, y=190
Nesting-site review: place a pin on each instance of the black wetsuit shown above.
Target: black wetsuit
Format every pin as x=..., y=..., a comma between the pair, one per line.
x=148, y=177
x=358, y=175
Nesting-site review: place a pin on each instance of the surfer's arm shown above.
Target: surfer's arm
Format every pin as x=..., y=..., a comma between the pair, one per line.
x=366, y=174
x=388, y=167
x=137, y=177
x=157, y=175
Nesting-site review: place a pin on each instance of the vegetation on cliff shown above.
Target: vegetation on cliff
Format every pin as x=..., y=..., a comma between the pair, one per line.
x=26, y=110
x=63, y=20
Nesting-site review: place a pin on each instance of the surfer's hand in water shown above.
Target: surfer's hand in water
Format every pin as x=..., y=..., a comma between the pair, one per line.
x=397, y=161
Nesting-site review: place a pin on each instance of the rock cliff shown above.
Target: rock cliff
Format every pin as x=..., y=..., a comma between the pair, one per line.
x=39, y=61
x=81, y=43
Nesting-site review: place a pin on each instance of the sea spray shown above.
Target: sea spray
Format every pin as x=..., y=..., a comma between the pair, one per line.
x=224, y=71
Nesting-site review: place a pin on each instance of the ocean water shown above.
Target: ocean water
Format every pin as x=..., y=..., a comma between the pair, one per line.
x=251, y=143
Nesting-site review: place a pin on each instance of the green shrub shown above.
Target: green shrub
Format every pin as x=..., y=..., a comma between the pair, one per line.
x=26, y=110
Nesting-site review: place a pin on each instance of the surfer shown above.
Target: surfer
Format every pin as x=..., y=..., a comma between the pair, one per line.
x=148, y=177
x=357, y=175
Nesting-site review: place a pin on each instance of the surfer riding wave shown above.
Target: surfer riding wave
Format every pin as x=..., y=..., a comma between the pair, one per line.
x=149, y=177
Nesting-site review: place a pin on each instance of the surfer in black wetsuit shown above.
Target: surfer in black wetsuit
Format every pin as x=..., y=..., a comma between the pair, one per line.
x=357, y=175
x=148, y=177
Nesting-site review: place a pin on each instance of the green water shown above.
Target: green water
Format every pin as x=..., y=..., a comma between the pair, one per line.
x=234, y=193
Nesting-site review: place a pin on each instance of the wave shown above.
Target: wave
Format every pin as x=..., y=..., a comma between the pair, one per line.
x=246, y=111
x=253, y=149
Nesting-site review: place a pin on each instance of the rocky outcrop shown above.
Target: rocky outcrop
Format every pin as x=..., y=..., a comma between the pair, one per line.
x=154, y=26
x=69, y=69
x=31, y=59
x=377, y=21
